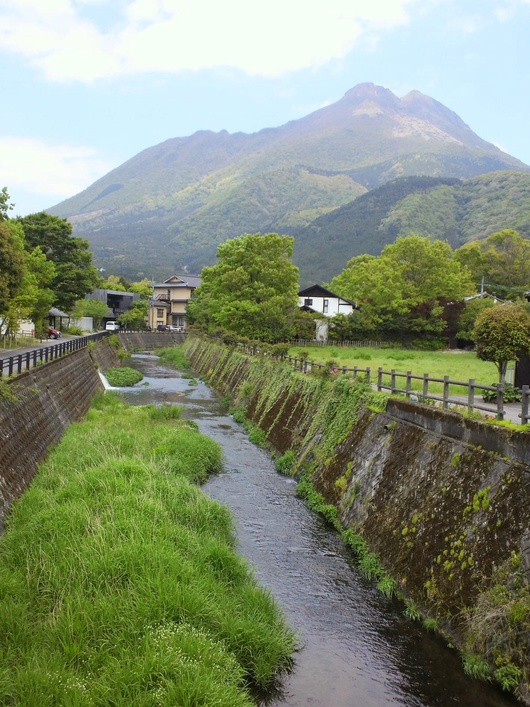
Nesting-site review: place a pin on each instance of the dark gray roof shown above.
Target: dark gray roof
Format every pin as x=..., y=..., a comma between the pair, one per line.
x=187, y=281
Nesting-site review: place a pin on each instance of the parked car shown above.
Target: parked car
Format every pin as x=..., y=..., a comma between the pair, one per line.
x=170, y=327
x=53, y=333
x=112, y=326
x=162, y=327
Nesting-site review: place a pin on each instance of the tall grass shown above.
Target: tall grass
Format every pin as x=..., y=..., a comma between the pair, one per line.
x=175, y=357
x=459, y=366
x=119, y=584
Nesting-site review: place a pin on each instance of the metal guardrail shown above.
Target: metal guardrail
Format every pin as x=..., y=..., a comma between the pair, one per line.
x=391, y=381
x=18, y=363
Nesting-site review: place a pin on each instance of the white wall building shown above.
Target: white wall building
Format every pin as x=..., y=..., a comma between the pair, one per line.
x=318, y=299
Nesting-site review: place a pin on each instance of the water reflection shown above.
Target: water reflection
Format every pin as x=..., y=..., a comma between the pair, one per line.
x=356, y=646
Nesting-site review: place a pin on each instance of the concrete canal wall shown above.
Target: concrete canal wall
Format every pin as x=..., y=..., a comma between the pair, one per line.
x=443, y=500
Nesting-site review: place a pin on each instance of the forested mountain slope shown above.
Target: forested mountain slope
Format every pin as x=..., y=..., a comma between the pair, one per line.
x=168, y=207
x=449, y=209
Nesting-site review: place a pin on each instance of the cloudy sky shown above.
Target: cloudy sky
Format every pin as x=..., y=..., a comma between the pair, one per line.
x=87, y=84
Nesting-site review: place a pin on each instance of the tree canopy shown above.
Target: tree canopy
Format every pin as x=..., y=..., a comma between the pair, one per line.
x=252, y=290
x=75, y=275
x=502, y=260
x=402, y=291
x=12, y=263
x=502, y=334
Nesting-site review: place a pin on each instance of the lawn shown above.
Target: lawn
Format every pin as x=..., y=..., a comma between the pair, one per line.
x=458, y=365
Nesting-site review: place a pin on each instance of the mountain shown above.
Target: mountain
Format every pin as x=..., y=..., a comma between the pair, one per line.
x=168, y=208
x=454, y=210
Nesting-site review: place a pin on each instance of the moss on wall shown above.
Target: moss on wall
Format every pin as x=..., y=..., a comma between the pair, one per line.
x=37, y=407
x=447, y=518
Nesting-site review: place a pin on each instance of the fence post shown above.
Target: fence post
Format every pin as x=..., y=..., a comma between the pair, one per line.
x=392, y=380
x=500, y=402
x=471, y=395
x=524, y=404
x=446, y=393
x=355, y=373
x=368, y=372
x=344, y=370
x=379, y=379
x=425, y=392
x=408, y=385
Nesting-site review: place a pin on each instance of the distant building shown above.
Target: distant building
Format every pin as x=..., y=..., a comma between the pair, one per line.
x=170, y=300
x=116, y=301
x=322, y=301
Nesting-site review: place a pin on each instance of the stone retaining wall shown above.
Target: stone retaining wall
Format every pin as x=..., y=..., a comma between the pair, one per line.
x=441, y=499
x=37, y=407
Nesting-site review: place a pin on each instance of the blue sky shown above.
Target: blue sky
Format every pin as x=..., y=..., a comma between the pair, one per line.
x=87, y=84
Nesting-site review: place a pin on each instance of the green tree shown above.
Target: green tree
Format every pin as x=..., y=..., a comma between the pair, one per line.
x=75, y=275
x=502, y=260
x=35, y=297
x=252, y=290
x=469, y=315
x=502, y=334
x=136, y=316
x=12, y=263
x=144, y=288
x=402, y=292
x=5, y=204
x=115, y=282
x=95, y=308
x=304, y=324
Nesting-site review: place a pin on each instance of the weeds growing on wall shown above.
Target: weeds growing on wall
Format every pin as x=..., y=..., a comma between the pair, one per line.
x=369, y=563
x=340, y=402
x=119, y=580
x=498, y=627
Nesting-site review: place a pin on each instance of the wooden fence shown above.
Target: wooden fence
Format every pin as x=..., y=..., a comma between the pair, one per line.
x=402, y=383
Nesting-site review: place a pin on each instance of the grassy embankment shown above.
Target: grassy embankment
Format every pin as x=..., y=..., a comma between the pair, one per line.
x=459, y=366
x=119, y=584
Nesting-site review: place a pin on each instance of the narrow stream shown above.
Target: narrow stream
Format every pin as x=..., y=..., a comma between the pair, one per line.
x=356, y=646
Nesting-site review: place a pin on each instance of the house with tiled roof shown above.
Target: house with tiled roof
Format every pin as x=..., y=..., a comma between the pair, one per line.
x=170, y=300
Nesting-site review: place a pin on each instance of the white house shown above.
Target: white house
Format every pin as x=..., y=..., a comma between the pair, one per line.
x=318, y=299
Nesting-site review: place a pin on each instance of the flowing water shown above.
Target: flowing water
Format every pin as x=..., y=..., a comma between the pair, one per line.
x=356, y=646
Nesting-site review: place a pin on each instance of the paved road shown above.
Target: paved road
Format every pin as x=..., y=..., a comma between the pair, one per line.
x=46, y=343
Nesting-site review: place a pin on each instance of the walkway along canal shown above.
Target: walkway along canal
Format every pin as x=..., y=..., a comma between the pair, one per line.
x=356, y=646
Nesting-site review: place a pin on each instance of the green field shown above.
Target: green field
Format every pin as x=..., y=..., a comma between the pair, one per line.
x=458, y=365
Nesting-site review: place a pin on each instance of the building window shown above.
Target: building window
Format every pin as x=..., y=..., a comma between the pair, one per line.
x=160, y=313
x=326, y=306
x=308, y=303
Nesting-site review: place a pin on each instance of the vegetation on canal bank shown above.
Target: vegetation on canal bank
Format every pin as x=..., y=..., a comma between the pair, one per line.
x=441, y=520
x=119, y=582
x=174, y=356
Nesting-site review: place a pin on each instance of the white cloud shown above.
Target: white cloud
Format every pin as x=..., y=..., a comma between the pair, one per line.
x=53, y=172
x=265, y=39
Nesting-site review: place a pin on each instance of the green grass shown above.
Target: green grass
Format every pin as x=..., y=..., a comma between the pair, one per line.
x=174, y=356
x=459, y=366
x=119, y=583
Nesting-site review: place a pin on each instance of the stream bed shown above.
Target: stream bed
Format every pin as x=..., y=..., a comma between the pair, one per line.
x=356, y=646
